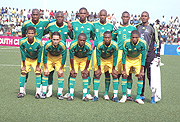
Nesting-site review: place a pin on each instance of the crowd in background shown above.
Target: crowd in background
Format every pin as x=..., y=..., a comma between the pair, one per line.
x=11, y=20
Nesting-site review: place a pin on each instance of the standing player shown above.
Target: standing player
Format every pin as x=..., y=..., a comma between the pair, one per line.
x=54, y=56
x=82, y=26
x=80, y=56
x=134, y=56
x=31, y=51
x=149, y=33
x=99, y=28
x=106, y=55
x=123, y=33
x=58, y=26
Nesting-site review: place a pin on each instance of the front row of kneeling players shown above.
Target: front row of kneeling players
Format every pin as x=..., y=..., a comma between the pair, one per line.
x=54, y=56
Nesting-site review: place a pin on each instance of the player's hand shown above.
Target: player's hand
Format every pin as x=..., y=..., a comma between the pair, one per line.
x=46, y=72
x=38, y=69
x=69, y=26
x=114, y=73
x=72, y=73
x=123, y=73
x=23, y=69
x=85, y=73
x=98, y=73
x=141, y=75
x=60, y=73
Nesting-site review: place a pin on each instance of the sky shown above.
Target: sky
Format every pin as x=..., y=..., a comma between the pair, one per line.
x=156, y=8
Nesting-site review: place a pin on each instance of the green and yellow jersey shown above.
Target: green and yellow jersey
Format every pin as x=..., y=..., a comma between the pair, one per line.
x=133, y=51
x=52, y=27
x=39, y=27
x=32, y=51
x=103, y=51
x=123, y=33
x=80, y=52
x=50, y=49
x=79, y=27
x=99, y=30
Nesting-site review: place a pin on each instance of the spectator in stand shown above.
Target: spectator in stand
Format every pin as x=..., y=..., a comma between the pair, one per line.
x=171, y=21
x=21, y=15
x=72, y=16
x=9, y=14
x=2, y=11
x=51, y=14
x=46, y=14
x=95, y=17
x=17, y=13
x=113, y=19
x=1, y=32
x=169, y=40
x=131, y=19
x=77, y=15
x=139, y=19
x=135, y=21
x=29, y=14
x=24, y=15
x=55, y=13
x=163, y=20
x=13, y=12
x=5, y=13
x=108, y=18
x=91, y=17
x=66, y=16
x=176, y=21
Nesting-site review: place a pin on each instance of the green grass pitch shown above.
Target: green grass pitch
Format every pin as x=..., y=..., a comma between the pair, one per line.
x=51, y=109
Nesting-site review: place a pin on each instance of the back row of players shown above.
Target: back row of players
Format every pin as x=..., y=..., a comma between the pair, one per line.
x=116, y=52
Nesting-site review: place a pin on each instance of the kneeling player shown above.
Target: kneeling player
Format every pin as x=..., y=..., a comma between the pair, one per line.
x=134, y=56
x=54, y=56
x=31, y=52
x=80, y=56
x=106, y=54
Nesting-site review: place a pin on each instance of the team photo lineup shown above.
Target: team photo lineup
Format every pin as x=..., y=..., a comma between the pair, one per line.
x=116, y=52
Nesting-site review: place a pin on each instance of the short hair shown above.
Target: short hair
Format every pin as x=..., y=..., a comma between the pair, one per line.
x=125, y=12
x=135, y=32
x=82, y=34
x=145, y=12
x=84, y=9
x=55, y=33
x=35, y=9
x=107, y=32
x=60, y=12
x=102, y=11
x=31, y=28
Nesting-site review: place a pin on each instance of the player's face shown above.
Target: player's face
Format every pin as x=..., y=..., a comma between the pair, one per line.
x=134, y=38
x=144, y=17
x=81, y=41
x=107, y=39
x=30, y=34
x=60, y=18
x=125, y=18
x=35, y=15
x=83, y=14
x=103, y=16
x=55, y=40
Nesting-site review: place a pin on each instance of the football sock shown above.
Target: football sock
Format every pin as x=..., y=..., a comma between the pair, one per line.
x=38, y=83
x=71, y=86
x=60, y=85
x=44, y=84
x=115, y=87
x=96, y=86
x=89, y=84
x=139, y=89
x=124, y=86
x=21, y=83
x=107, y=84
x=50, y=78
x=68, y=84
x=129, y=87
x=85, y=86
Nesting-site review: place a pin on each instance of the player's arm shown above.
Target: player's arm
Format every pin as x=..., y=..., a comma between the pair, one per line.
x=39, y=57
x=92, y=34
x=23, y=30
x=157, y=41
x=72, y=52
x=114, y=35
x=23, y=58
x=123, y=61
x=64, y=54
x=46, y=31
x=115, y=56
x=98, y=57
x=70, y=27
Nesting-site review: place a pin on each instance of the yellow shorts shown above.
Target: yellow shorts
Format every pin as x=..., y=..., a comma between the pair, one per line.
x=80, y=63
x=119, y=64
x=31, y=62
x=106, y=65
x=94, y=58
x=53, y=61
x=133, y=65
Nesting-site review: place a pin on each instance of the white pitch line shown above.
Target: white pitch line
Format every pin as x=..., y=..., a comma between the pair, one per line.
x=10, y=48
x=9, y=65
x=9, y=51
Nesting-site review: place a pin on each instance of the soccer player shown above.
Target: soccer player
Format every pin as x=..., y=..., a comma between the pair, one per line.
x=134, y=56
x=149, y=33
x=106, y=54
x=99, y=28
x=82, y=26
x=54, y=56
x=58, y=26
x=31, y=52
x=123, y=33
x=80, y=56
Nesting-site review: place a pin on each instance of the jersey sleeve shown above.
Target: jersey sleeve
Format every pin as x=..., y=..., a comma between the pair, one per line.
x=45, y=53
x=89, y=53
x=64, y=53
x=40, y=52
x=23, y=29
x=93, y=32
x=114, y=35
x=144, y=51
x=98, y=55
x=23, y=56
x=71, y=50
x=46, y=31
x=115, y=55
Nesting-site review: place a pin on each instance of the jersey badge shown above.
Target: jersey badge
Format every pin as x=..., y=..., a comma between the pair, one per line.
x=129, y=31
x=97, y=30
x=59, y=31
x=76, y=28
x=124, y=30
x=134, y=48
x=88, y=29
x=102, y=28
x=65, y=32
x=146, y=30
x=30, y=48
x=40, y=28
x=82, y=27
x=119, y=32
